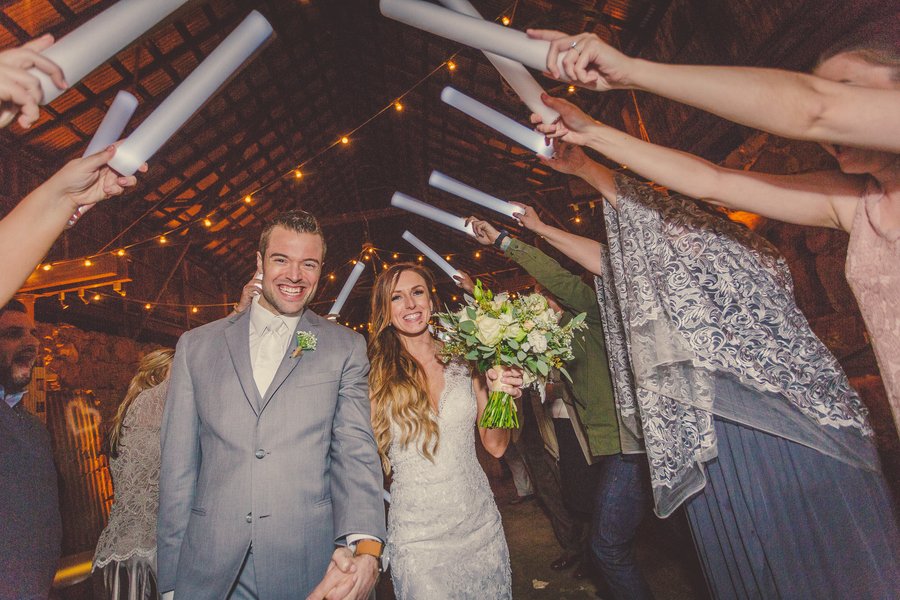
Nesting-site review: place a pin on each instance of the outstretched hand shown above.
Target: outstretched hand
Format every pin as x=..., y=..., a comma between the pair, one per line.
x=568, y=158
x=20, y=91
x=528, y=218
x=464, y=281
x=573, y=125
x=587, y=60
x=485, y=233
x=86, y=181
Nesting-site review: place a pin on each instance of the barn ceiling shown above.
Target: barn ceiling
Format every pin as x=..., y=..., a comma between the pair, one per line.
x=271, y=139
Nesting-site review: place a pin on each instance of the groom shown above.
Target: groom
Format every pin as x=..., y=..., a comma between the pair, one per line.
x=268, y=457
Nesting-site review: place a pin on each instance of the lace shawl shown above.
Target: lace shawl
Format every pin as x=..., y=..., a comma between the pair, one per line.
x=131, y=531
x=700, y=298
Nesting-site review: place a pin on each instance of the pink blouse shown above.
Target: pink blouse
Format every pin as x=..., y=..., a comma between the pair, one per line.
x=873, y=271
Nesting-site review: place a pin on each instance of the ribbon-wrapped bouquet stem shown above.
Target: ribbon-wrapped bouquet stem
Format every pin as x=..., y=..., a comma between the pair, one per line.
x=496, y=330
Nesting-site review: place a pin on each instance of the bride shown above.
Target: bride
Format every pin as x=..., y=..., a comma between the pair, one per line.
x=445, y=538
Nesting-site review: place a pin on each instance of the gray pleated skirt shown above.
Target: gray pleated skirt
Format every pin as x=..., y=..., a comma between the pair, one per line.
x=778, y=520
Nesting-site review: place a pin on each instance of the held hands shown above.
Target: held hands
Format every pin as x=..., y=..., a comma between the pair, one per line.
x=347, y=576
x=511, y=380
x=589, y=61
x=20, y=91
x=86, y=181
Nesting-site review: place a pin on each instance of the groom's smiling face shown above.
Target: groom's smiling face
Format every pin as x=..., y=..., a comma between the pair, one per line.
x=291, y=269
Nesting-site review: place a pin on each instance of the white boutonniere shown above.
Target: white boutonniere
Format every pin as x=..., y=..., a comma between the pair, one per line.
x=305, y=341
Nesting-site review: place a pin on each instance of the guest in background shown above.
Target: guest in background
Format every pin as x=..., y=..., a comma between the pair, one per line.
x=30, y=526
x=849, y=105
x=604, y=486
x=746, y=416
x=126, y=551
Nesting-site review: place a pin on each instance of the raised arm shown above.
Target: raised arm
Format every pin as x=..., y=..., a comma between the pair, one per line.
x=794, y=105
x=826, y=199
x=29, y=230
x=584, y=251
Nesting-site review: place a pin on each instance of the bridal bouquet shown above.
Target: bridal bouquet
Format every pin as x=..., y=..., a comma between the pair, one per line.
x=501, y=331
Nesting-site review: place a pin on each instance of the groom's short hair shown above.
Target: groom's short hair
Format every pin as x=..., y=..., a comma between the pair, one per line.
x=297, y=220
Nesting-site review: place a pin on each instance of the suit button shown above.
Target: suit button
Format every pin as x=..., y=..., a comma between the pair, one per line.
x=260, y=453
x=249, y=517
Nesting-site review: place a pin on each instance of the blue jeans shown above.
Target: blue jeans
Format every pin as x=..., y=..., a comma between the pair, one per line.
x=620, y=503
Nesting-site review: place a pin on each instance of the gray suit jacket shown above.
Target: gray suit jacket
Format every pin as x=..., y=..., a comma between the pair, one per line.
x=291, y=472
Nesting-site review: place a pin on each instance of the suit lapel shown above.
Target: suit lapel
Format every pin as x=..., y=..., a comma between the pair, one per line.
x=237, y=338
x=308, y=322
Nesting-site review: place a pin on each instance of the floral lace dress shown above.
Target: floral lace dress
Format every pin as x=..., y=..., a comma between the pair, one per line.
x=126, y=551
x=445, y=538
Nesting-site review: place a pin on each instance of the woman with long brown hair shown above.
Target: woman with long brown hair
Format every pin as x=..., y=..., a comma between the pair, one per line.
x=126, y=551
x=445, y=538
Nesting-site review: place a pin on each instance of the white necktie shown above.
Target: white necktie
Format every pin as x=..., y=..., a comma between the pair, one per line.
x=271, y=352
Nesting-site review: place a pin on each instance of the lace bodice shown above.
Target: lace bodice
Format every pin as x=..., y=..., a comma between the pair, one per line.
x=445, y=537
x=131, y=530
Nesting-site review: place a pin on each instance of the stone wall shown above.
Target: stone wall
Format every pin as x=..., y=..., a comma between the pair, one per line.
x=91, y=363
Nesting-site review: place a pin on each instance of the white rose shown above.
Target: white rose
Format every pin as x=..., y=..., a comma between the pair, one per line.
x=488, y=330
x=538, y=341
x=513, y=330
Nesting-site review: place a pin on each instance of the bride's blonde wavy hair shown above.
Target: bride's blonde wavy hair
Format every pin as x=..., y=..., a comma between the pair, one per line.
x=397, y=388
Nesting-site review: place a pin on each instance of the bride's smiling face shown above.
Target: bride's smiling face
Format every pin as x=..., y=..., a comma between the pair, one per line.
x=410, y=304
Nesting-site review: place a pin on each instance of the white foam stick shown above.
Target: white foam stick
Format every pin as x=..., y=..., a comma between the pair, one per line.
x=516, y=75
x=436, y=258
x=192, y=93
x=471, y=31
x=348, y=287
x=458, y=188
x=87, y=47
x=514, y=130
x=109, y=130
x=408, y=203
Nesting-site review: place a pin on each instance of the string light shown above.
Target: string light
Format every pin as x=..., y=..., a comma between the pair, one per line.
x=447, y=257
x=207, y=223
x=96, y=297
x=298, y=174
x=398, y=106
x=163, y=240
x=148, y=306
x=451, y=65
x=478, y=254
x=506, y=21
x=331, y=276
x=421, y=258
x=120, y=252
x=248, y=198
x=571, y=89
x=47, y=267
x=345, y=140
x=195, y=310
x=87, y=262
x=396, y=256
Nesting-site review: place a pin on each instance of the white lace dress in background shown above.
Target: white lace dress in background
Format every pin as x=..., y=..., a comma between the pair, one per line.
x=445, y=538
x=126, y=551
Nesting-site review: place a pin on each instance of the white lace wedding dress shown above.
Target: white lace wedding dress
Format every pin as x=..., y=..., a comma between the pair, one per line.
x=445, y=538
